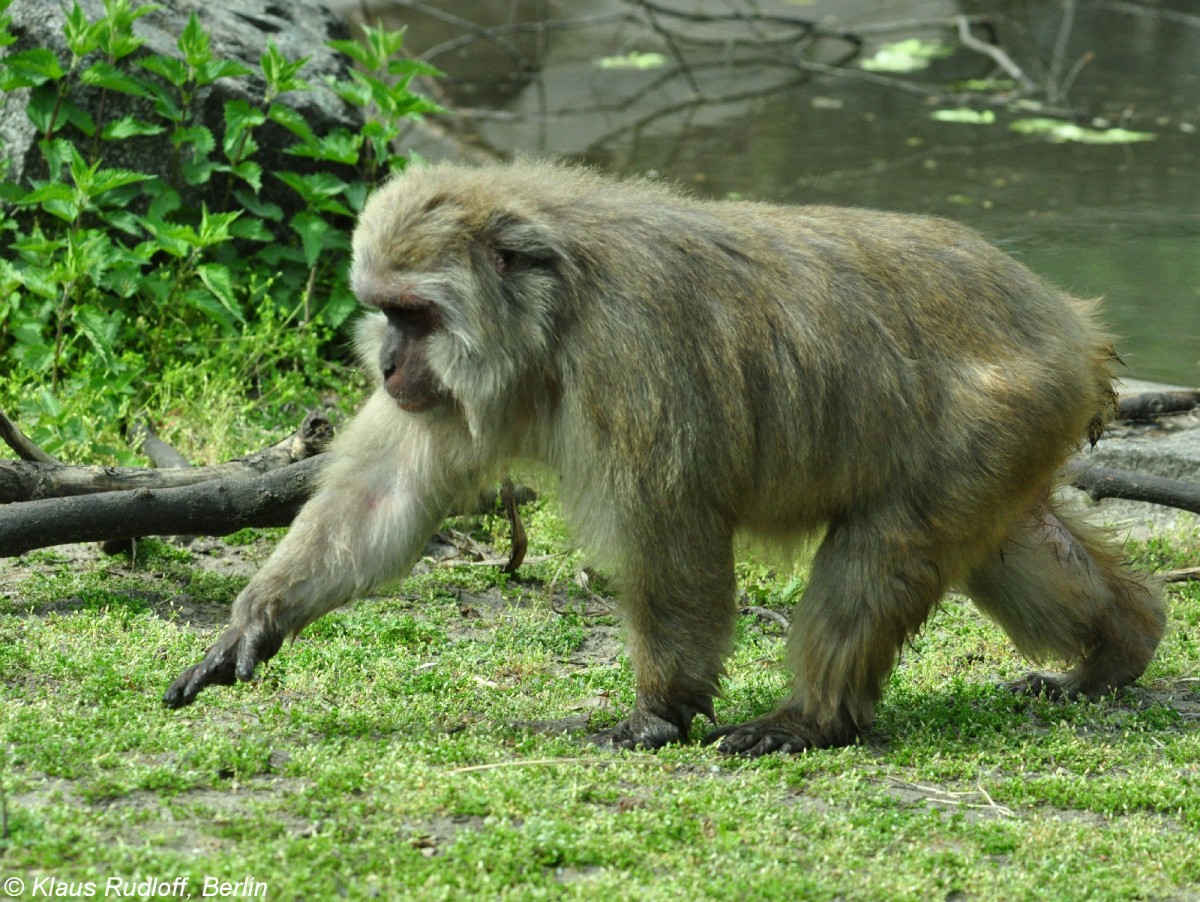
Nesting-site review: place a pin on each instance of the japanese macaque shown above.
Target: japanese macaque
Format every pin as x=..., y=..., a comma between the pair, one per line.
x=698, y=369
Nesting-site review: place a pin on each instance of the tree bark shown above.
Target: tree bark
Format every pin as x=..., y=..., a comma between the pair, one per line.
x=214, y=507
x=26, y=480
x=1105, y=482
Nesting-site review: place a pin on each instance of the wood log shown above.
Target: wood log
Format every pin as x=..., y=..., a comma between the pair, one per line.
x=215, y=507
x=1106, y=482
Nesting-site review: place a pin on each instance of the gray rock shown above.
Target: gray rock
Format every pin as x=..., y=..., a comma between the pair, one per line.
x=239, y=31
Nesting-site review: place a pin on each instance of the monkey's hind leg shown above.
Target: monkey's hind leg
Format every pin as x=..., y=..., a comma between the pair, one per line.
x=1058, y=589
x=679, y=617
x=874, y=581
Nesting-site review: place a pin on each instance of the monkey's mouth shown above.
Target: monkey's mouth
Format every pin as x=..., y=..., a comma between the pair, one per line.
x=412, y=398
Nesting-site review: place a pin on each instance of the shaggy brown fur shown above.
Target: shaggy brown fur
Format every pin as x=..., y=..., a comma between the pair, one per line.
x=694, y=369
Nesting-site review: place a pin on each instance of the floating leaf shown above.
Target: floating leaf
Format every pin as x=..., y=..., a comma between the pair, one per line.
x=966, y=116
x=632, y=60
x=1059, y=131
x=907, y=56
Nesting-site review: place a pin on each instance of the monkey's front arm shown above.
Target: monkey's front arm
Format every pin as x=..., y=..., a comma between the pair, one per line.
x=382, y=496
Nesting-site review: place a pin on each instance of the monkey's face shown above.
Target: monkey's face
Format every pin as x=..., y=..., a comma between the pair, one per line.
x=468, y=278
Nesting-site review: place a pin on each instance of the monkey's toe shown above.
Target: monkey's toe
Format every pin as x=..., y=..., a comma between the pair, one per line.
x=1038, y=683
x=639, y=730
x=753, y=740
x=785, y=731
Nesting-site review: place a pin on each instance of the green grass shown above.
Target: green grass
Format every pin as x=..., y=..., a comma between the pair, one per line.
x=399, y=749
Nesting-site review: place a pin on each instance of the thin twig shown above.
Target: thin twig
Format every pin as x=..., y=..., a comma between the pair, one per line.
x=1054, y=82
x=1001, y=58
x=550, y=762
x=669, y=40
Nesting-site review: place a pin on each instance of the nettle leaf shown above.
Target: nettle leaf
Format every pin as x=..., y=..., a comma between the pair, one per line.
x=214, y=227
x=214, y=70
x=198, y=136
x=240, y=115
x=103, y=74
x=356, y=50
x=110, y=179
x=217, y=279
x=314, y=235
x=251, y=229
x=317, y=189
x=209, y=305
x=82, y=36
x=194, y=43
x=280, y=72
x=292, y=121
x=173, y=70
x=339, y=146
x=29, y=68
x=57, y=152
x=176, y=240
x=44, y=110
x=248, y=171
x=51, y=191
x=129, y=127
x=101, y=330
x=258, y=207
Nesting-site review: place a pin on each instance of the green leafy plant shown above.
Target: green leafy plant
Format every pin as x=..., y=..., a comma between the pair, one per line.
x=111, y=277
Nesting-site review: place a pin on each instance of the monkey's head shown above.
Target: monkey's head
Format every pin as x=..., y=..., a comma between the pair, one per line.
x=466, y=269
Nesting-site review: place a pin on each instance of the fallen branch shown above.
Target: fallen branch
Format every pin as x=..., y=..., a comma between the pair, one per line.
x=162, y=455
x=215, y=507
x=1150, y=404
x=1105, y=482
x=1183, y=575
x=27, y=480
x=20, y=442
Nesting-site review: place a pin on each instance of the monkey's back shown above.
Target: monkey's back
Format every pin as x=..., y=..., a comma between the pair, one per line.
x=822, y=358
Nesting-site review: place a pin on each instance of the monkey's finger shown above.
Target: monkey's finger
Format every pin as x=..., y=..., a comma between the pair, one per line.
x=217, y=669
x=187, y=686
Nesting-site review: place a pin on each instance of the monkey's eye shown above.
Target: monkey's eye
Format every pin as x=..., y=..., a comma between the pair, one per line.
x=506, y=261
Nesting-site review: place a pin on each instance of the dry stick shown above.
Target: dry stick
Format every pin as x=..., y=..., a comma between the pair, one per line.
x=669, y=39
x=164, y=457
x=1054, y=85
x=215, y=508
x=491, y=35
x=520, y=543
x=20, y=442
x=1001, y=58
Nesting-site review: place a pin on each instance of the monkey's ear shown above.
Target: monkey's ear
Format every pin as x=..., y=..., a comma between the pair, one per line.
x=515, y=245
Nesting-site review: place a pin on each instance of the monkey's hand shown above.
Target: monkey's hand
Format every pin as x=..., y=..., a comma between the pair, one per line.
x=231, y=658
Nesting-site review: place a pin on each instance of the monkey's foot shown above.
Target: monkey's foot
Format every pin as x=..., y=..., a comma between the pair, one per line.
x=231, y=658
x=654, y=724
x=1064, y=687
x=1038, y=683
x=785, y=731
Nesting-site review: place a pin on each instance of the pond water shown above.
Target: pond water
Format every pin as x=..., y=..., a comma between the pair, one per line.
x=1120, y=220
